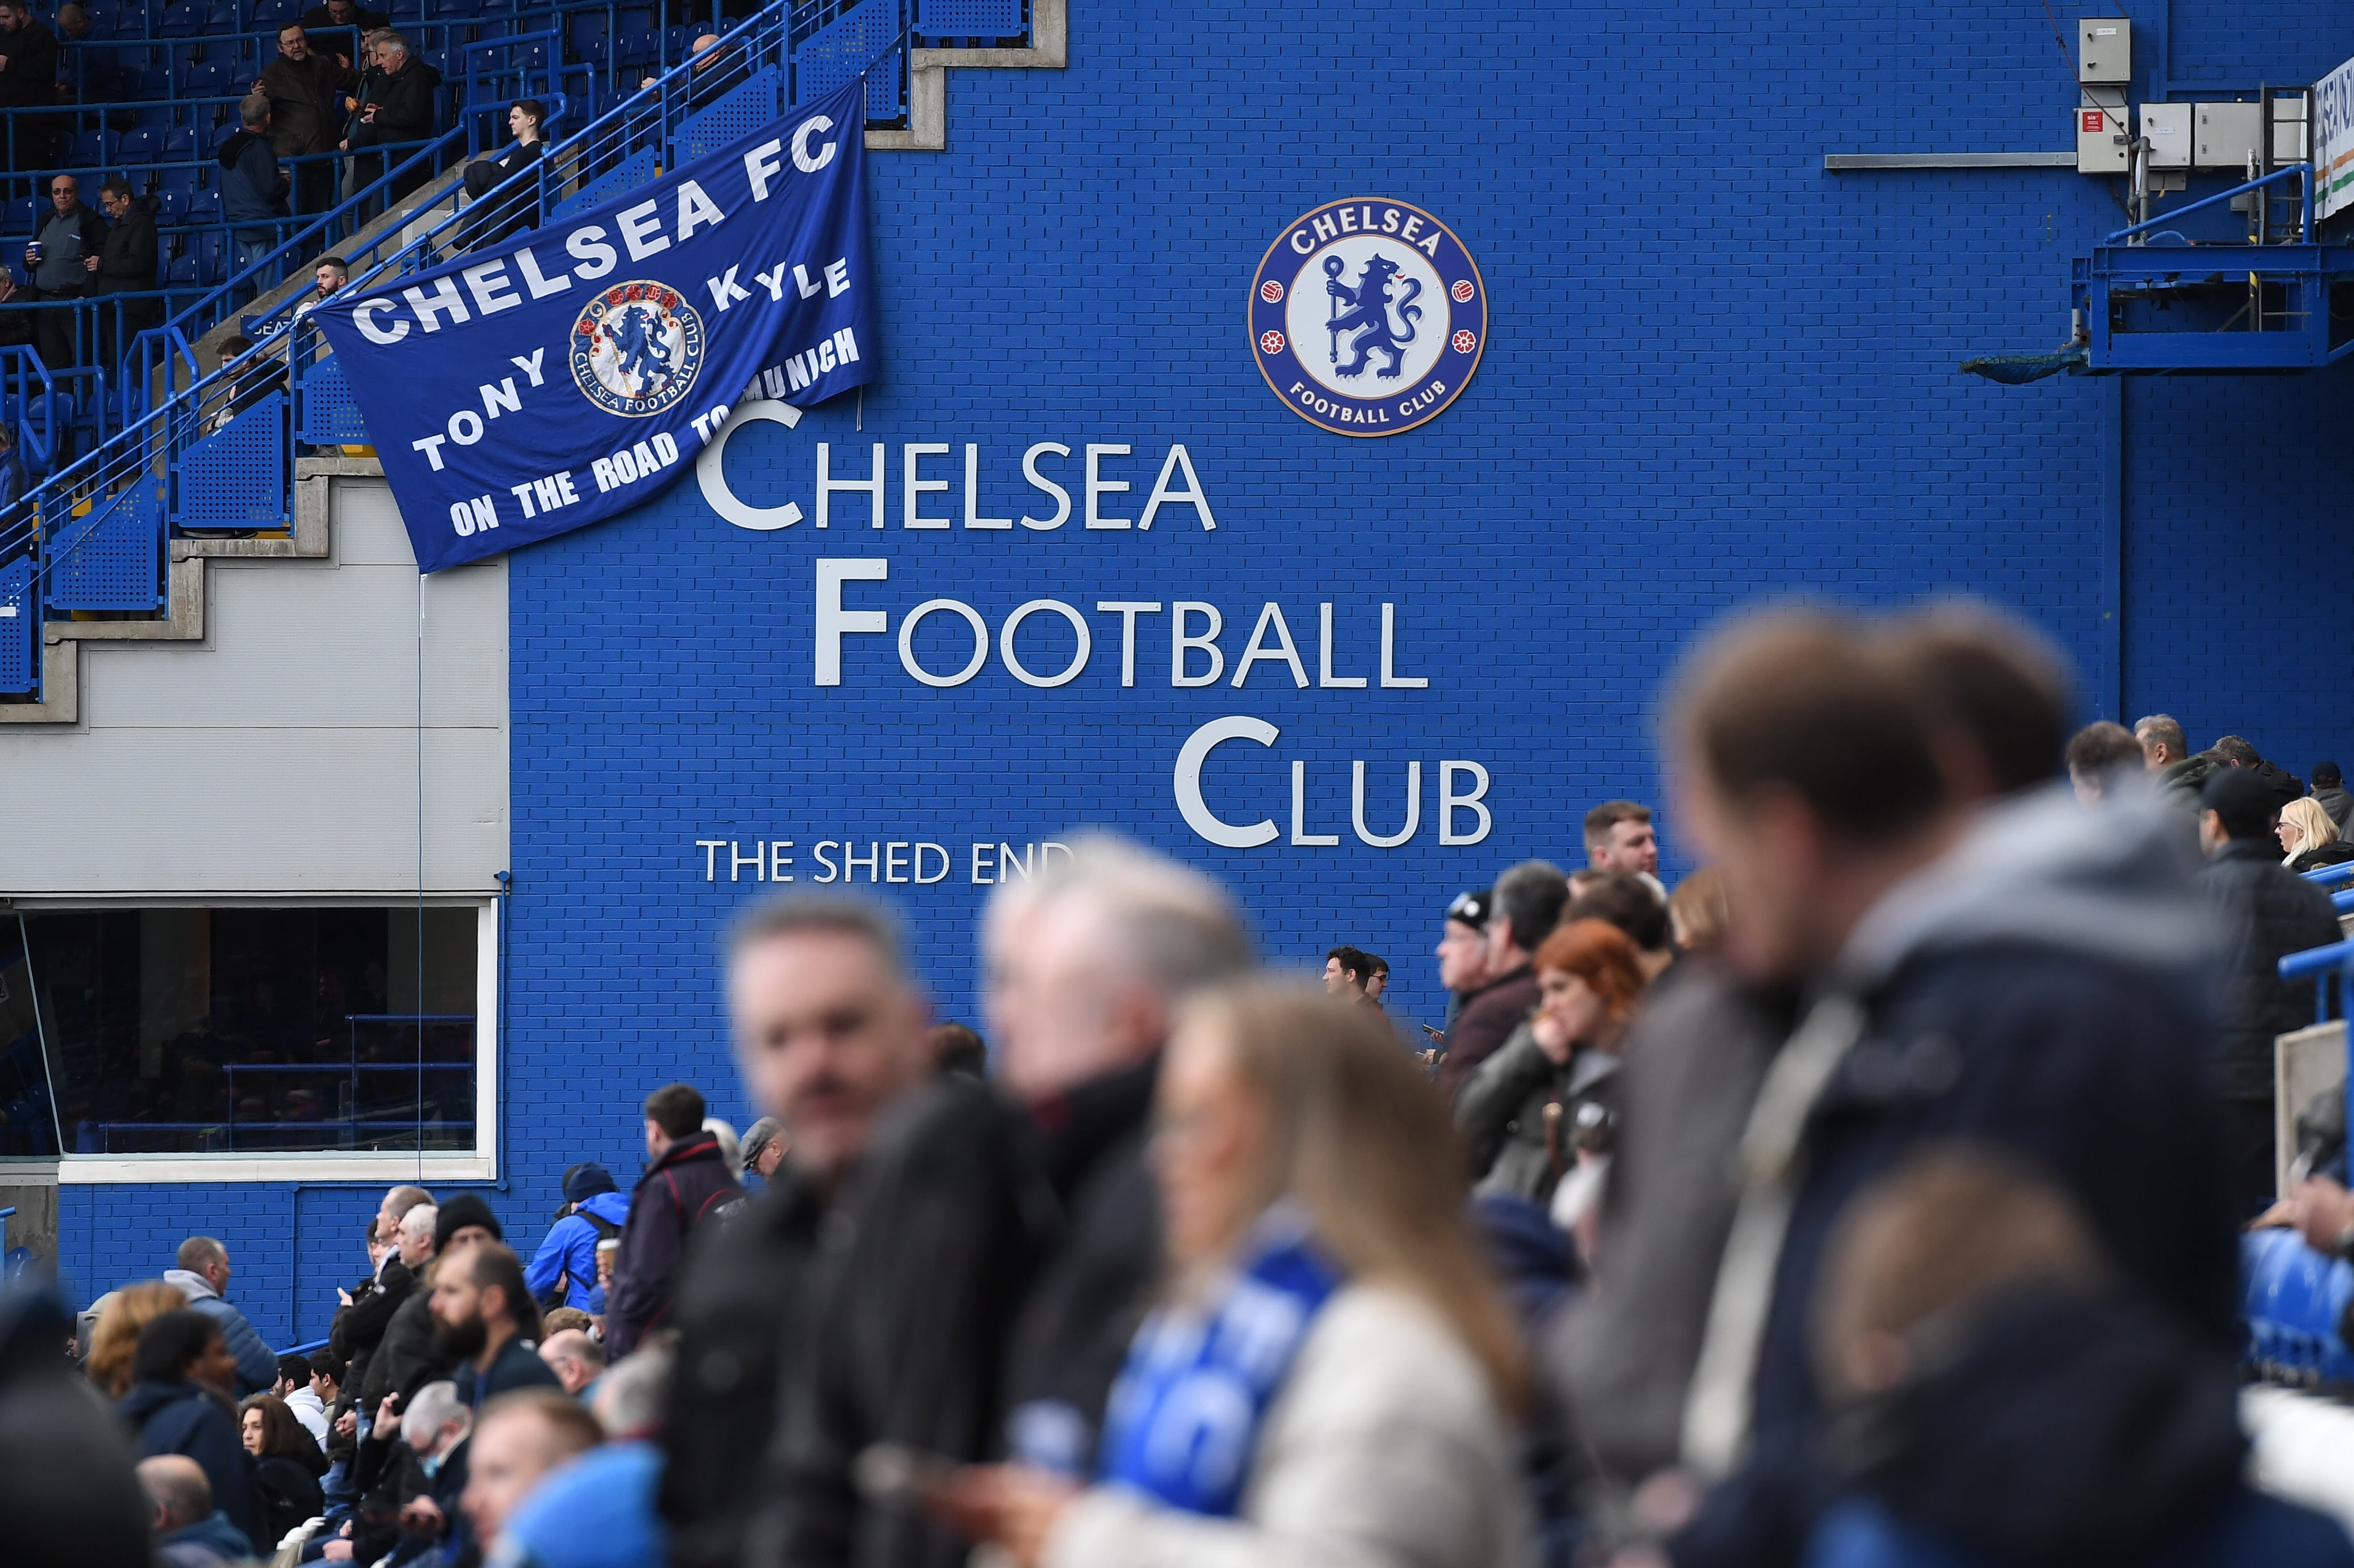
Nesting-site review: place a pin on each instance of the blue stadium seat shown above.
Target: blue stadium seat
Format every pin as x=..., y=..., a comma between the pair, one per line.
x=155, y=83
x=171, y=208
x=22, y=214
x=583, y=29
x=207, y=82
x=406, y=13
x=204, y=207
x=271, y=15
x=182, y=274
x=138, y=146
x=101, y=21
x=180, y=147
x=89, y=150
x=223, y=18
x=181, y=183
x=456, y=10
x=155, y=117
x=183, y=20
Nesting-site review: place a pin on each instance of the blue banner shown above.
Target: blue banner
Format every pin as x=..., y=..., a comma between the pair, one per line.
x=560, y=378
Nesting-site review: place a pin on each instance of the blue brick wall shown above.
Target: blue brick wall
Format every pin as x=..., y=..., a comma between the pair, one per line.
x=1716, y=375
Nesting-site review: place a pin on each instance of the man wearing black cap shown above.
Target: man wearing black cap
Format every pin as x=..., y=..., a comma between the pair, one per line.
x=563, y=1272
x=1462, y=949
x=2263, y=912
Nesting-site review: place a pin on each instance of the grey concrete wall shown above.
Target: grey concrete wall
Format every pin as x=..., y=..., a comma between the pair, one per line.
x=283, y=753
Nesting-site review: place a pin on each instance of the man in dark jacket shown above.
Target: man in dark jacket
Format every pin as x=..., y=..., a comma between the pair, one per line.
x=2263, y=912
x=1005, y=1247
x=1523, y=910
x=343, y=14
x=252, y=190
x=2026, y=974
x=829, y=1028
x=2282, y=785
x=305, y=90
x=126, y=265
x=397, y=105
x=67, y=1486
x=483, y=1315
x=2329, y=788
x=28, y=79
x=686, y=1181
x=411, y=1355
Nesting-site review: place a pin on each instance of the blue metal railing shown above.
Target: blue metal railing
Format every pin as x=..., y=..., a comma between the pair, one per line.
x=2325, y=875
x=2292, y=171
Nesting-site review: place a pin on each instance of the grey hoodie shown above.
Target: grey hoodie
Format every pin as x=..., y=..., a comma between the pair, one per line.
x=257, y=1369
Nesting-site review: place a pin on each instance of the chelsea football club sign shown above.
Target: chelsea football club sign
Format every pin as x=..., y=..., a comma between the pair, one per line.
x=574, y=372
x=1368, y=317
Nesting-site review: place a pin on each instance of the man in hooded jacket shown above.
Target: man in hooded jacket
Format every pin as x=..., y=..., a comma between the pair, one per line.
x=563, y=1272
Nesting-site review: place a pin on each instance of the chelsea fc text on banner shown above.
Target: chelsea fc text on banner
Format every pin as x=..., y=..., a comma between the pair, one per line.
x=554, y=380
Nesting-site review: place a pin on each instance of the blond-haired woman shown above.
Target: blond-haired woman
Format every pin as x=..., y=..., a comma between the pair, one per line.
x=120, y=1315
x=2309, y=836
x=1331, y=1378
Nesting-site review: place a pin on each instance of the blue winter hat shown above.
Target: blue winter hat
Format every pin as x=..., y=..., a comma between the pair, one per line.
x=586, y=1180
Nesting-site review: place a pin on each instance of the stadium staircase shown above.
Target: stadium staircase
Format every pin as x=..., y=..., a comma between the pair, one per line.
x=179, y=467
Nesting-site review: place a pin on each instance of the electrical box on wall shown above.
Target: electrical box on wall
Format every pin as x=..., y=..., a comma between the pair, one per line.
x=2166, y=127
x=2103, y=147
x=2104, y=51
x=2228, y=135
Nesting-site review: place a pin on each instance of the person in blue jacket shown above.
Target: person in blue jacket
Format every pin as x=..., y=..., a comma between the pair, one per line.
x=202, y=1277
x=178, y=1403
x=563, y=1272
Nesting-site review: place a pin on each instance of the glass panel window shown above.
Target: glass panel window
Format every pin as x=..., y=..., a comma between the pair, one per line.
x=239, y=1030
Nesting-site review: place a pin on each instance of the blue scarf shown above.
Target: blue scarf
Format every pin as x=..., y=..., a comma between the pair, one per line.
x=1183, y=1419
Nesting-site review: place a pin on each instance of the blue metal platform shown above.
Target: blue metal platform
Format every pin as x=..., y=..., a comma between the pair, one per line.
x=2215, y=308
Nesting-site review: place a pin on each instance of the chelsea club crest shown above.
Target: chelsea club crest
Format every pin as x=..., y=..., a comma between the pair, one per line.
x=636, y=348
x=1368, y=316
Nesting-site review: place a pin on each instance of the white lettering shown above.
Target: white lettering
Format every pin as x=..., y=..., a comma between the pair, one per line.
x=363, y=317
x=1188, y=781
x=540, y=287
x=695, y=210
x=588, y=247
x=1413, y=805
x=641, y=230
x=725, y=289
x=1300, y=833
x=913, y=487
x=1179, y=640
x=1098, y=486
x=1450, y=802
x=827, y=484
x=1271, y=615
x=529, y=366
x=442, y=300
x=816, y=124
x=760, y=165
x=1079, y=659
x=908, y=641
x=833, y=622
x=1062, y=497
x=1162, y=495
x=493, y=290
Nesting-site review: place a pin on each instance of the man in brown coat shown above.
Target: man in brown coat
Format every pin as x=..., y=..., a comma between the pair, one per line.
x=306, y=113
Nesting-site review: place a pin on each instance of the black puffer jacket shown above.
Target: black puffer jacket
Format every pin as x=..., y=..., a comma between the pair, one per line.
x=1003, y=1260
x=2263, y=912
x=126, y=263
x=359, y=1328
x=746, y=1300
x=404, y=1361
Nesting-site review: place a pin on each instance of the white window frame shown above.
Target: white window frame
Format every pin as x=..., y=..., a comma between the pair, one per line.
x=481, y=1165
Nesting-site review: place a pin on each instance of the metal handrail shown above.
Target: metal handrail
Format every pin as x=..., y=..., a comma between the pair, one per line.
x=2288, y=171
x=2325, y=875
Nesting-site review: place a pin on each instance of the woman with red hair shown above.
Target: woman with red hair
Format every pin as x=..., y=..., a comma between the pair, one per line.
x=1544, y=1103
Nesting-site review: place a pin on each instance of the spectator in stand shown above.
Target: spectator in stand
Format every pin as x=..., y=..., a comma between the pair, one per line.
x=16, y=326
x=1626, y=900
x=2021, y=1406
x=1518, y=1113
x=1827, y=780
x=305, y=91
x=345, y=14
x=70, y=237
x=125, y=264
x=412, y=1355
x=563, y=1272
x=598, y=1509
x=397, y=102
x=1377, y=979
x=1327, y=1299
x=1619, y=837
x=766, y=1144
x=1087, y=964
x=179, y=1403
x=287, y=1467
x=1521, y=913
x=414, y=1506
x=2236, y=752
x=303, y=1401
x=1991, y=691
x=576, y=1360
x=518, y=209
x=1345, y=968
x=263, y=374
x=2308, y=837
x=685, y=1180
x=956, y=1048
x=28, y=79
x=12, y=473
x=252, y=187
x=203, y=1276
x=1462, y=952
x=189, y=1531
x=829, y=1030
x=121, y=1314
x=369, y=1307
x=483, y=1315
x=2263, y=912
x=2098, y=755
x=73, y=22
x=520, y=1438
x=1696, y=913
x=2166, y=752
x=2329, y=788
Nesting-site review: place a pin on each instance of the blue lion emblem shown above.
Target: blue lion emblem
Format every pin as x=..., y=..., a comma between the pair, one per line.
x=636, y=348
x=1369, y=317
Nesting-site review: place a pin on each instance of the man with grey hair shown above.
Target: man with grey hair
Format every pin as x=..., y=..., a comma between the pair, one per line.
x=829, y=1029
x=1007, y=1239
x=397, y=99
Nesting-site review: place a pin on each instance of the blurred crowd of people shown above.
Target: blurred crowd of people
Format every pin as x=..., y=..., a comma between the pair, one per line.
x=1871, y=1198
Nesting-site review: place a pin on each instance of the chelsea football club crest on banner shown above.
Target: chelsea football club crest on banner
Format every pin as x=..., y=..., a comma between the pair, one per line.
x=636, y=348
x=1368, y=317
